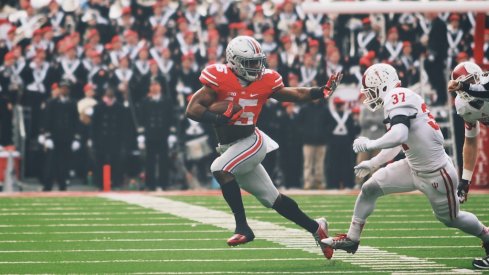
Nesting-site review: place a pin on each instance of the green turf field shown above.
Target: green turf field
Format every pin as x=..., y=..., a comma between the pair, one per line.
x=96, y=235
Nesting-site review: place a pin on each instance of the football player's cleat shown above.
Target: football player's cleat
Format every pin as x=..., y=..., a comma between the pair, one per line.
x=322, y=233
x=481, y=263
x=341, y=241
x=241, y=238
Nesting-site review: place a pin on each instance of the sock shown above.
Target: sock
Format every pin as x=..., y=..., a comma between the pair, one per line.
x=356, y=227
x=484, y=235
x=232, y=195
x=364, y=206
x=289, y=209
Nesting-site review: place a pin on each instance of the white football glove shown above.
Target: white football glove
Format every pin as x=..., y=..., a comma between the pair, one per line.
x=360, y=144
x=49, y=144
x=41, y=139
x=75, y=145
x=363, y=168
x=141, y=140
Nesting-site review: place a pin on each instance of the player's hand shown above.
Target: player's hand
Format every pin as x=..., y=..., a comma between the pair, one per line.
x=229, y=113
x=463, y=190
x=454, y=86
x=333, y=82
x=361, y=144
x=363, y=168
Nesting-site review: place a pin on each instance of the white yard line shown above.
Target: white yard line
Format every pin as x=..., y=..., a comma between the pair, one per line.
x=178, y=223
x=288, y=237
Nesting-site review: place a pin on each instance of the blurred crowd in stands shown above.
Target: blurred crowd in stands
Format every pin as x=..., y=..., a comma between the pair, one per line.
x=108, y=84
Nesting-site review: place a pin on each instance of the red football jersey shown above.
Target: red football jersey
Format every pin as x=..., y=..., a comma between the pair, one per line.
x=222, y=80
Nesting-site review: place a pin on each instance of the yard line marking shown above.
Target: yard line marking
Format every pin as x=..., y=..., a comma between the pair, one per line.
x=233, y=272
x=98, y=224
x=147, y=250
x=159, y=261
x=294, y=237
x=218, y=220
x=76, y=213
x=365, y=260
x=113, y=232
x=110, y=240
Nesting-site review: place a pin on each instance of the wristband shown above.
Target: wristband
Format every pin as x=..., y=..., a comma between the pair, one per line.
x=467, y=175
x=316, y=93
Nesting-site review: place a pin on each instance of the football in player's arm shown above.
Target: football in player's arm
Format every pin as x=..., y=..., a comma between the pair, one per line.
x=471, y=86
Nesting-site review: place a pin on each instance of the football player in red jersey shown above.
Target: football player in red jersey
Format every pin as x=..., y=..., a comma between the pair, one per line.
x=245, y=81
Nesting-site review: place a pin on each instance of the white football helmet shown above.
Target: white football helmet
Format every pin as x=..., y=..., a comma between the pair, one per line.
x=467, y=72
x=246, y=58
x=377, y=80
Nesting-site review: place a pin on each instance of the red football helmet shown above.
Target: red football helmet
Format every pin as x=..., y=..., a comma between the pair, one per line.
x=467, y=72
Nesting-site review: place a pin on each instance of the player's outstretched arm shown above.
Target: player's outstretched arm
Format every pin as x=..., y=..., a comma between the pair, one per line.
x=477, y=90
x=397, y=135
x=304, y=94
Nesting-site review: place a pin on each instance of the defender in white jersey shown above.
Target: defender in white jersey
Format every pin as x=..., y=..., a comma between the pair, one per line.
x=471, y=86
x=426, y=168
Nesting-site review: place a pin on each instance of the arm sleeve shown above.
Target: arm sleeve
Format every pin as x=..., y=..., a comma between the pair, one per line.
x=385, y=155
x=397, y=135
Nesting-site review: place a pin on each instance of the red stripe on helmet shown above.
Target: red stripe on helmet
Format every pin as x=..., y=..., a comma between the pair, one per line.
x=255, y=45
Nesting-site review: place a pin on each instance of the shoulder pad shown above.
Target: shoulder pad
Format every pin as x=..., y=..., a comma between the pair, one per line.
x=273, y=78
x=213, y=75
x=401, y=99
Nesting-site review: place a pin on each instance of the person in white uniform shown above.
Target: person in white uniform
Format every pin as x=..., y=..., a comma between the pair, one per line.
x=471, y=86
x=426, y=168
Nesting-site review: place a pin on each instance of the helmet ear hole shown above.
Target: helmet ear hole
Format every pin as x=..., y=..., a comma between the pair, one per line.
x=384, y=89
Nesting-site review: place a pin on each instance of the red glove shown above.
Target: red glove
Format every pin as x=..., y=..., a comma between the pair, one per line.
x=332, y=83
x=229, y=113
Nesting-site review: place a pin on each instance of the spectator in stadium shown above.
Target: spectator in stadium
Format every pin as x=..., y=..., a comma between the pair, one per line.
x=367, y=39
x=270, y=122
x=72, y=70
x=456, y=43
x=309, y=71
x=109, y=137
x=186, y=79
x=85, y=110
x=340, y=159
x=409, y=71
x=61, y=137
x=437, y=50
x=156, y=118
x=98, y=74
x=38, y=79
x=392, y=49
x=315, y=120
x=290, y=150
x=269, y=43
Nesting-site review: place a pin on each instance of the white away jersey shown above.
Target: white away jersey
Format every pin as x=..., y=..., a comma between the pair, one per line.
x=472, y=115
x=424, y=148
